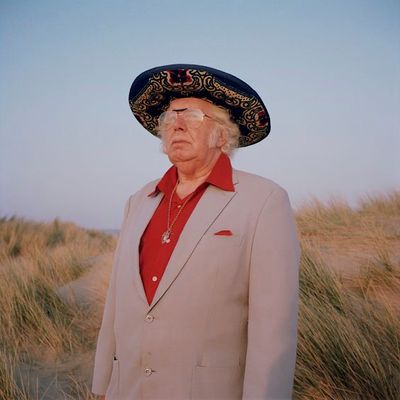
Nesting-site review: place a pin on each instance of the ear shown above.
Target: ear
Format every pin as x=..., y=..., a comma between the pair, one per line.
x=222, y=136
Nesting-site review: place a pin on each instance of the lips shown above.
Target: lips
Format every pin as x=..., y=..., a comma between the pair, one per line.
x=179, y=141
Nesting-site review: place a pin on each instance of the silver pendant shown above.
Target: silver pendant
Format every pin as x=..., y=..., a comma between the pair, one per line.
x=165, y=237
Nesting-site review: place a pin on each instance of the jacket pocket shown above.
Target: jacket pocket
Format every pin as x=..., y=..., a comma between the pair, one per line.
x=223, y=383
x=113, y=387
x=211, y=240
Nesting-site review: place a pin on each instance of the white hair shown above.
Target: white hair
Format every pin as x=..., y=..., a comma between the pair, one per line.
x=231, y=129
x=228, y=128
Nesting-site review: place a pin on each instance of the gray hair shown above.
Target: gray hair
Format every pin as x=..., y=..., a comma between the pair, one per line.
x=230, y=129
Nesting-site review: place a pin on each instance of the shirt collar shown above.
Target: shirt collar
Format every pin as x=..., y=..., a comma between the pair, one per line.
x=220, y=177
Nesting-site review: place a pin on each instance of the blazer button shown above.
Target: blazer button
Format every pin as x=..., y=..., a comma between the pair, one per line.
x=148, y=371
x=149, y=318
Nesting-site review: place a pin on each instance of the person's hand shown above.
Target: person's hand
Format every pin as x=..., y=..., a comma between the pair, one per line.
x=103, y=397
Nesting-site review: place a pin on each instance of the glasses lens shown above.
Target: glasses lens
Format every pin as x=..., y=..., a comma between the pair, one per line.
x=192, y=115
x=167, y=117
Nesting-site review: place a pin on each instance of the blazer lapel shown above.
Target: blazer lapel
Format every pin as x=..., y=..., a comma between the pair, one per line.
x=209, y=207
x=137, y=227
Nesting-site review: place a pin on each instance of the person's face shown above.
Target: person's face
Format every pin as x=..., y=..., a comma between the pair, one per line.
x=185, y=140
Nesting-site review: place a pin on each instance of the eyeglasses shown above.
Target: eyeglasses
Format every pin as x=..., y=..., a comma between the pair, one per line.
x=192, y=116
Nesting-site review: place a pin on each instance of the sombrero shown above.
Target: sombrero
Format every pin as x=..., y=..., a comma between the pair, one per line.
x=153, y=90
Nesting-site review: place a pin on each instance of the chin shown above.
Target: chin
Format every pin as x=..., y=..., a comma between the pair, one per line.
x=176, y=156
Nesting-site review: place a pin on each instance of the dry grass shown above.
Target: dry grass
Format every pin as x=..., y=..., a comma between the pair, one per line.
x=38, y=330
x=349, y=326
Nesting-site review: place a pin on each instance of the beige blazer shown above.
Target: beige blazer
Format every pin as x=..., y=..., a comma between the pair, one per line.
x=222, y=324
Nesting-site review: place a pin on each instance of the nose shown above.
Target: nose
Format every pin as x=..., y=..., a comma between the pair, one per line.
x=179, y=123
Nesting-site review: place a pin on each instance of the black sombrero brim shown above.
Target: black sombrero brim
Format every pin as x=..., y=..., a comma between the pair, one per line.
x=153, y=90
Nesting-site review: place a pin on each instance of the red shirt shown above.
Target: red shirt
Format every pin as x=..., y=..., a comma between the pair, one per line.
x=154, y=255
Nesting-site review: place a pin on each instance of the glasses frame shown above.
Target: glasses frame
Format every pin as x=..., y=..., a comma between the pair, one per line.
x=181, y=111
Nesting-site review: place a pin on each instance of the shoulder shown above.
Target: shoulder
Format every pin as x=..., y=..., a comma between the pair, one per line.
x=143, y=192
x=148, y=187
x=255, y=184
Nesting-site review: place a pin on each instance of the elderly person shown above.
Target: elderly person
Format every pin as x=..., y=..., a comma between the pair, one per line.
x=203, y=297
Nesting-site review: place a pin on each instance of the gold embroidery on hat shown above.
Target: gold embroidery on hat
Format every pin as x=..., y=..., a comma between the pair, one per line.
x=188, y=83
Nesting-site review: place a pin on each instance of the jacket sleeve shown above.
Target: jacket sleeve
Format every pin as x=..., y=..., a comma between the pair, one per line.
x=105, y=350
x=273, y=303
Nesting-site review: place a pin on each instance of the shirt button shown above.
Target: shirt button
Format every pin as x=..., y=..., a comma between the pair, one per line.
x=179, y=206
x=154, y=279
x=148, y=371
x=149, y=318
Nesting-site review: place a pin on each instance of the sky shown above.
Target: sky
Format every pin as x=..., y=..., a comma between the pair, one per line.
x=70, y=148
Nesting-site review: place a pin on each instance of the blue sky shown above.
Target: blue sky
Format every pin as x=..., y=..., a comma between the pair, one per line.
x=328, y=71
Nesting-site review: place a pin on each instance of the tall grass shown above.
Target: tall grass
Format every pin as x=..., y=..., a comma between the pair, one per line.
x=36, y=325
x=349, y=344
x=9, y=387
x=349, y=325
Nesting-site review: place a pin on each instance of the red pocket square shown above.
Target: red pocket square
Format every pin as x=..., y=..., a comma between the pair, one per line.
x=225, y=232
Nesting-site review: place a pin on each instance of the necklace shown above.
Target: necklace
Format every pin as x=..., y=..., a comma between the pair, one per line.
x=165, y=237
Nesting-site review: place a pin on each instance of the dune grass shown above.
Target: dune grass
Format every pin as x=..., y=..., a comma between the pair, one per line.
x=36, y=325
x=349, y=343
x=349, y=325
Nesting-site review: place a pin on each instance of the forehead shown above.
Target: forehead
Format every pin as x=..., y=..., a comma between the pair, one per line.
x=190, y=102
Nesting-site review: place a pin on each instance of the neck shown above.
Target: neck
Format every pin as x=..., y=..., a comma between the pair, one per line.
x=191, y=171
x=191, y=175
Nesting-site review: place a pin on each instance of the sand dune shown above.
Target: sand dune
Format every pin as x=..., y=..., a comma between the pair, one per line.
x=89, y=289
x=56, y=277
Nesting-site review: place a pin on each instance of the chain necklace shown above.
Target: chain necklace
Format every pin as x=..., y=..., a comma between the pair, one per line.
x=165, y=237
